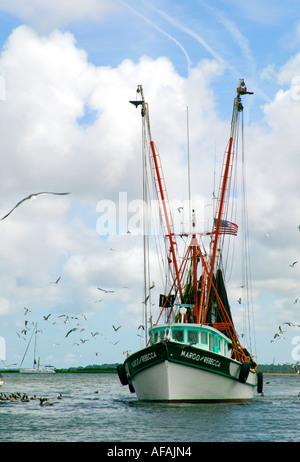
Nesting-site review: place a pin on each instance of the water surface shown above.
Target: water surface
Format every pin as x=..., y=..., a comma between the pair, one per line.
x=96, y=408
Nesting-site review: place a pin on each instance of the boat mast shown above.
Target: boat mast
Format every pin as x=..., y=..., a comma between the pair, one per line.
x=220, y=213
x=161, y=191
x=35, y=347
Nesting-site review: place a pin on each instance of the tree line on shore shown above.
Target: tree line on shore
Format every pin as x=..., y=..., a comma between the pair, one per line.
x=112, y=368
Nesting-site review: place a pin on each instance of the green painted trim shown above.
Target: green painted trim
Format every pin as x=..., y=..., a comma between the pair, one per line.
x=182, y=354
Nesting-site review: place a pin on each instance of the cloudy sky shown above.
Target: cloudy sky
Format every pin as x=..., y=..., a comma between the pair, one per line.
x=67, y=72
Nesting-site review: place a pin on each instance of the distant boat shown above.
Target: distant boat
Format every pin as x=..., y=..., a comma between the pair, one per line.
x=195, y=355
x=37, y=367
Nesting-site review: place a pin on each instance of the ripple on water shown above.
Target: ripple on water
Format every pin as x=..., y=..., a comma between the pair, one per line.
x=95, y=407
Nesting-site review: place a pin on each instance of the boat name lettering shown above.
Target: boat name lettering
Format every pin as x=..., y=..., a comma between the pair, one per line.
x=199, y=358
x=143, y=359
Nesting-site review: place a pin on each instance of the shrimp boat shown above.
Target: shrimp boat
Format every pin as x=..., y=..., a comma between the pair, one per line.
x=192, y=353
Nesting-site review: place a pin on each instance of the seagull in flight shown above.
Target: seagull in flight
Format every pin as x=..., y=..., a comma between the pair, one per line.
x=116, y=328
x=31, y=197
x=57, y=280
x=293, y=264
x=72, y=330
x=106, y=291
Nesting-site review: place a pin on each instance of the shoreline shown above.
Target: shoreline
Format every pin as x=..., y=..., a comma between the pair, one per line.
x=287, y=374
x=114, y=371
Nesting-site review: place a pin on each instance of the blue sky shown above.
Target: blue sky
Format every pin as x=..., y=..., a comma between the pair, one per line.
x=66, y=125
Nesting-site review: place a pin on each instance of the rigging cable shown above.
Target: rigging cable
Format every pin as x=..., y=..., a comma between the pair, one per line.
x=147, y=294
x=248, y=278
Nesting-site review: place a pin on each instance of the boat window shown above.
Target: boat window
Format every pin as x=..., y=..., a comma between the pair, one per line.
x=216, y=341
x=178, y=335
x=225, y=349
x=221, y=346
x=155, y=337
x=193, y=336
x=204, y=337
x=211, y=342
x=217, y=344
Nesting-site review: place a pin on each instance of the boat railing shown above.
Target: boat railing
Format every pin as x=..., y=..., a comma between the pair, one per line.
x=239, y=355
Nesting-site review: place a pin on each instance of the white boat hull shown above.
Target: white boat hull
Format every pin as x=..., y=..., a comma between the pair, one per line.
x=169, y=381
x=37, y=371
x=181, y=373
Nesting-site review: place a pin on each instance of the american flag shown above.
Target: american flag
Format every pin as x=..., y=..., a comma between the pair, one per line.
x=227, y=227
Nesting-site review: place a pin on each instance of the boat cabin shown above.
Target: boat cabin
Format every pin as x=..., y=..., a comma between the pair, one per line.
x=199, y=336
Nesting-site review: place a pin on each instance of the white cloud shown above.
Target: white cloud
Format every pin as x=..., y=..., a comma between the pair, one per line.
x=50, y=87
x=45, y=15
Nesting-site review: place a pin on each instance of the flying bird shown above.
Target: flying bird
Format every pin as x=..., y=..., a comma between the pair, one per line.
x=65, y=316
x=71, y=330
x=116, y=328
x=293, y=264
x=31, y=197
x=281, y=331
x=106, y=291
x=47, y=317
x=57, y=280
x=146, y=299
x=26, y=311
x=295, y=367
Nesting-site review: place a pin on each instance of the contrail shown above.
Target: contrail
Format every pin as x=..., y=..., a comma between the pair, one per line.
x=231, y=27
x=187, y=30
x=160, y=30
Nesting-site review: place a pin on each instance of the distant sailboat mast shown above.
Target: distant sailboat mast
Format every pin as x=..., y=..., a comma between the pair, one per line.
x=26, y=350
x=35, y=348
